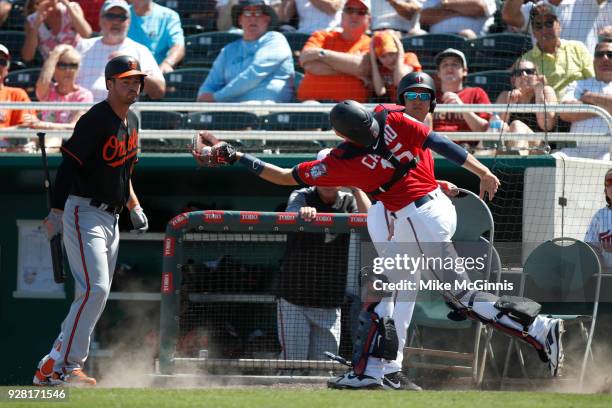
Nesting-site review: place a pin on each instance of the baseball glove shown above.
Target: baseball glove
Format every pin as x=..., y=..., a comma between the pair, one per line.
x=210, y=152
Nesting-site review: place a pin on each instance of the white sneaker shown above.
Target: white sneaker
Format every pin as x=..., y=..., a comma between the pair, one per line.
x=553, y=347
x=397, y=381
x=352, y=381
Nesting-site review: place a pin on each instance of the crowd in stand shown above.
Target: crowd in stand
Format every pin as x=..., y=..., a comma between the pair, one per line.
x=355, y=50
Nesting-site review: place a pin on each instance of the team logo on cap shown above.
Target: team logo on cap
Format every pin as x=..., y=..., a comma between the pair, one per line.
x=418, y=79
x=132, y=64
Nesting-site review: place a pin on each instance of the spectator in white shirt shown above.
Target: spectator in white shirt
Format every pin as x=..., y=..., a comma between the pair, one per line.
x=399, y=15
x=580, y=19
x=595, y=91
x=468, y=18
x=95, y=52
x=313, y=15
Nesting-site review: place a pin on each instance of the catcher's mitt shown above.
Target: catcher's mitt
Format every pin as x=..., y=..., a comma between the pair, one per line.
x=210, y=152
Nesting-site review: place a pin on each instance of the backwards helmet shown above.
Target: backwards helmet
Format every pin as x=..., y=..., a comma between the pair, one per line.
x=355, y=122
x=124, y=66
x=417, y=80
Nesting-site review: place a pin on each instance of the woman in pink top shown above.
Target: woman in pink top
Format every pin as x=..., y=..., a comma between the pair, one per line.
x=52, y=22
x=62, y=66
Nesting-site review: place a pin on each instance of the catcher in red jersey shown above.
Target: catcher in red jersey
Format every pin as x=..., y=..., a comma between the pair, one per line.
x=387, y=153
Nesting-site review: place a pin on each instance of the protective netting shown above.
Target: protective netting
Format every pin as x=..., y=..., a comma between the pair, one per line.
x=266, y=296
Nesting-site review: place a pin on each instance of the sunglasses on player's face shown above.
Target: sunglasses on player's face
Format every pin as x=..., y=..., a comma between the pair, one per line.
x=412, y=96
x=540, y=25
x=3, y=62
x=520, y=71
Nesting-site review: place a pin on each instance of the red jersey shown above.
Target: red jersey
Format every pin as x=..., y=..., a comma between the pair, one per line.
x=404, y=137
x=454, y=122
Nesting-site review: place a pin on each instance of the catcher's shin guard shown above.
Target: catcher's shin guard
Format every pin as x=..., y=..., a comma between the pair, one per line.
x=522, y=311
x=376, y=337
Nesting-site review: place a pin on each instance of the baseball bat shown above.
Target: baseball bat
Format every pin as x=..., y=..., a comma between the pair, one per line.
x=57, y=252
x=339, y=359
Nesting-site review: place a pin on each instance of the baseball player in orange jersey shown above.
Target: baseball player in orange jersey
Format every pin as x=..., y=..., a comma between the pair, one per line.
x=92, y=186
x=388, y=155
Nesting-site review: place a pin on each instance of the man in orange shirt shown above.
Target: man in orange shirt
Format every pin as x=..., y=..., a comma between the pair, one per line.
x=15, y=117
x=335, y=62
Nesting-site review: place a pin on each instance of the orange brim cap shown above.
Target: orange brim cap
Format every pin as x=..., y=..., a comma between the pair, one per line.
x=133, y=72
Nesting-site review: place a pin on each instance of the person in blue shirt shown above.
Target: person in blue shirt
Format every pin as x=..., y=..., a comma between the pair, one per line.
x=258, y=67
x=159, y=29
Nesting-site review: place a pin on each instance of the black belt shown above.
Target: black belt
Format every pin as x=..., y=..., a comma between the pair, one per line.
x=111, y=209
x=423, y=200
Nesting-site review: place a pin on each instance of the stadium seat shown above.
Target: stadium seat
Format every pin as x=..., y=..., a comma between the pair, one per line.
x=497, y=51
x=296, y=41
x=221, y=121
x=474, y=223
x=296, y=121
x=182, y=84
x=161, y=120
x=427, y=46
x=493, y=82
x=202, y=49
x=16, y=18
x=566, y=273
x=24, y=78
x=13, y=40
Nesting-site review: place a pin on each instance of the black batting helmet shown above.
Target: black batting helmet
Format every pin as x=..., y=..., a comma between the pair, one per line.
x=124, y=66
x=355, y=122
x=417, y=80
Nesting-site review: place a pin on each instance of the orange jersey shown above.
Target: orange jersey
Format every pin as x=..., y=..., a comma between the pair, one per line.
x=12, y=117
x=334, y=87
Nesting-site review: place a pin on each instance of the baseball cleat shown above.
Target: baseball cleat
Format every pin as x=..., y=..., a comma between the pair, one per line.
x=54, y=380
x=44, y=375
x=553, y=347
x=77, y=378
x=352, y=381
x=397, y=381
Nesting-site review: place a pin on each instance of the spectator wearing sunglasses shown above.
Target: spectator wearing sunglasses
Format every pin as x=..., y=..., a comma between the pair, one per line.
x=579, y=19
x=159, y=29
x=52, y=22
x=452, y=70
x=560, y=61
x=96, y=52
x=335, y=63
x=389, y=64
x=595, y=91
x=527, y=87
x=257, y=67
x=468, y=18
x=57, y=83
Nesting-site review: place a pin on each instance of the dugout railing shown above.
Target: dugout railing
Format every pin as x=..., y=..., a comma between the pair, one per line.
x=264, y=136
x=194, y=240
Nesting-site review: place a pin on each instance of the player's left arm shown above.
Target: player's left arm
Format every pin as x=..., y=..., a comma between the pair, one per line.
x=267, y=171
x=440, y=144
